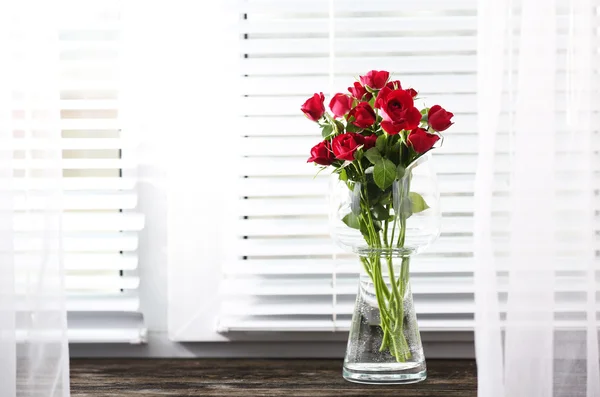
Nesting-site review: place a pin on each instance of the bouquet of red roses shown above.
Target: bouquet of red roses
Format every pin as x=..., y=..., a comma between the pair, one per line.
x=371, y=138
x=375, y=110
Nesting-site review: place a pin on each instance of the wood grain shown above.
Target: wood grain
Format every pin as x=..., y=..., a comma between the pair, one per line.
x=233, y=377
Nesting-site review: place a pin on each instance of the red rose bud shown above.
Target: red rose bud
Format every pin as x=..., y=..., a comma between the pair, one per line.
x=421, y=141
x=397, y=110
x=362, y=115
x=412, y=92
x=314, y=108
x=345, y=145
x=340, y=104
x=321, y=154
x=439, y=119
x=359, y=92
x=370, y=141
x=394, y=85
x=375, y=79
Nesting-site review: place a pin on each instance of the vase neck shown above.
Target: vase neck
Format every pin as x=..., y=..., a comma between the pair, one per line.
x=384, y=264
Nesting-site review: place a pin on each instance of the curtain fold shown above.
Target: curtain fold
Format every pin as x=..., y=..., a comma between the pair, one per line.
x=536, y=200
x=34, y=357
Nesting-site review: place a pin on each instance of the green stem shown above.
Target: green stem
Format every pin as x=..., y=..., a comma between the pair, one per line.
x=390, y=302
x=402, y=284
x=386, y=244
x=365, y=208
x=394, y=228
x=378, y=283
x=399, y=288
x=395, y=291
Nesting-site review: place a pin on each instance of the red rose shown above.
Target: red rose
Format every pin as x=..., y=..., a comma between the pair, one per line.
x=385, y=91
x=363, y=115
x=375, y=79
x=439, y=119
x=345, y=145
x=412, y=92
x=340, y=104
x=359, y=92
x=314, y=108
x=394, y=85
x=421, y=140
x=321, y=154
x=398, y=111
x=370, y=141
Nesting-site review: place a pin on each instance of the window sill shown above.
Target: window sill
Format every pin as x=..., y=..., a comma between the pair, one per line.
x=244, y=377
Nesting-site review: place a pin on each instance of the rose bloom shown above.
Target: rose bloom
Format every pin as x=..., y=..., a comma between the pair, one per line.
x=421, y=141
x=375, y=79
x=397, y=110
x=439, y=119
x=321, y=154
x=370, y=141
x=394, y=85
x=363, y=114
x=340, y=104
x=344, y=146
x=359, y=92
x=314, y=108
x=412, y=92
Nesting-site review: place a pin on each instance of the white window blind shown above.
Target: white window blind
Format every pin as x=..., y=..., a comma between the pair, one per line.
x=100, y=222
x=289, y=276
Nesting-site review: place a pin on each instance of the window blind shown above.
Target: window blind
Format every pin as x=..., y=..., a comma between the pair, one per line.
x=100, y=224
x=289, y=276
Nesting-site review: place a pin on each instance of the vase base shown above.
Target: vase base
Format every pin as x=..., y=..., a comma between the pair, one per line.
x=389, y=374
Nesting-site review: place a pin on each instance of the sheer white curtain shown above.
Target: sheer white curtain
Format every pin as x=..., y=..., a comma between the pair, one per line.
x=536, y=249
x=34, y=357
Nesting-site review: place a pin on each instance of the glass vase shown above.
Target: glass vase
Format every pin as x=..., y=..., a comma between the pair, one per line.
x=385, y=227
x=390, y=354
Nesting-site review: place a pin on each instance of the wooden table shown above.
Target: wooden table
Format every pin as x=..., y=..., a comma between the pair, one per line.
x=237, y=377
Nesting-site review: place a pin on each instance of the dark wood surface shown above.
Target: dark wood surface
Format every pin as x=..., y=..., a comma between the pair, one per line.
x=233, y=377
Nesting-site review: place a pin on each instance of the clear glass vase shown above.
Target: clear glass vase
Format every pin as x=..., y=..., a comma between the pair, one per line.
x=385, y=227
x=376, y=354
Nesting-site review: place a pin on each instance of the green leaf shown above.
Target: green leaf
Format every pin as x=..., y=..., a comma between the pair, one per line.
x=377, y=226
x=343, y=175
x=418, y=202
x=380, y=143
x=364, y=229
x=385, y=199
x=394, y=153
x=352, y=221
x=339, y=126
x=374, y=194
x=380, y=212
x=327, y=130
x=400, y=171
x=373, y=155
x=384, y=173
x=352, y=128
